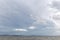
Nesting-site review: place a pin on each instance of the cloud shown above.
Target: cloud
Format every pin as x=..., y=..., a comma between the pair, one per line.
x=15, y=15
x=32, y=27
x=42, y=28
x=55, y=16
x=22, y=30
x=56, y=5
x=26, y=14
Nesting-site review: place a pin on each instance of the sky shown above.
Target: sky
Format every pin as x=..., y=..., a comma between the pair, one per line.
x=30, y=17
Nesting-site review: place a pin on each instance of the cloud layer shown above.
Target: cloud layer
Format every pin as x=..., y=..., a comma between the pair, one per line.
x=27, y=17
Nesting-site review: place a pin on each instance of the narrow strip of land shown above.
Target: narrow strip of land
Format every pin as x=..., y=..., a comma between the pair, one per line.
x=29, y=38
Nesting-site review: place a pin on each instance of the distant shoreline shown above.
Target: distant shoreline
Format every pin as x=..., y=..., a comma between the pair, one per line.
x=31, y=35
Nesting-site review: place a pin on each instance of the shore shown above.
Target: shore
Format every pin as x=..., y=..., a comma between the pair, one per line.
x=29, y=37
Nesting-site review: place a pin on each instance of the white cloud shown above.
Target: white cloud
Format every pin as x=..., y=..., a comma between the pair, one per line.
x=55, y=15
x=32, y=27
x=22, y=30
x=56, y=19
